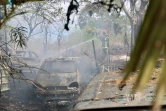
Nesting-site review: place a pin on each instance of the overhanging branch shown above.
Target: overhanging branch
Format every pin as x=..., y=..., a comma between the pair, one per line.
x=126, y=11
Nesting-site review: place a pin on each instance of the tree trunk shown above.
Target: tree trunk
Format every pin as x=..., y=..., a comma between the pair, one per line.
x=135, y=16
x=134, y=32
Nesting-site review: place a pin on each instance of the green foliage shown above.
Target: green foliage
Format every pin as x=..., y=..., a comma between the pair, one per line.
x=88, y=32
x=92, y=25
x=100, y=19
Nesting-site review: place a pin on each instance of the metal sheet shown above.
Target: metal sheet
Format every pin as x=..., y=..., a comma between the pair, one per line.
x=4, y=81
x=4, y=87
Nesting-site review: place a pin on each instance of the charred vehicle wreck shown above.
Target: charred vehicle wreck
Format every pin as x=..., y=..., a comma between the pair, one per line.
x=59, y=82
x=27, y=61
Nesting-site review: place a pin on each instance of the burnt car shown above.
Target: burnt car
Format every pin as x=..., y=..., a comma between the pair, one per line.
x=58, y=81
x=31, y=59
x=26, y=56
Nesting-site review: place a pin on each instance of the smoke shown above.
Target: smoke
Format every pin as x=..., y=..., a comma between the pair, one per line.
x=87, y=69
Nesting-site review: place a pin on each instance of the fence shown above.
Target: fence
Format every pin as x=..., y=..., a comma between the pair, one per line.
x=113, y=66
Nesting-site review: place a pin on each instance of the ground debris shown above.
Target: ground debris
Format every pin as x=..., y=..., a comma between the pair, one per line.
x=11, y=101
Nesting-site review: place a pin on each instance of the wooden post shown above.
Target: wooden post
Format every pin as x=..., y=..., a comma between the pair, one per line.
x=94, y=51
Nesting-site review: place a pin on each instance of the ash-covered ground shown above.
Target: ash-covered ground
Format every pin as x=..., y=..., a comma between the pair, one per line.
x=21, y=99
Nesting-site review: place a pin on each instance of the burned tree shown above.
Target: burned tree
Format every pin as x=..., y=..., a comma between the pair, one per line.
x=135, y=13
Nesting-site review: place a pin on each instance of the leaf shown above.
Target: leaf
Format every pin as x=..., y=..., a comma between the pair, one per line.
x=150, y=43
x=161, y=88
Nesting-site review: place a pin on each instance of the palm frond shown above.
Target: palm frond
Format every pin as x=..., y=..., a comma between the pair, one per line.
x=150, y=42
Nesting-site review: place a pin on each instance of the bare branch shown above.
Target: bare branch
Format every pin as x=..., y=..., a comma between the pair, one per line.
x=36, y=33
x=126, y=11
